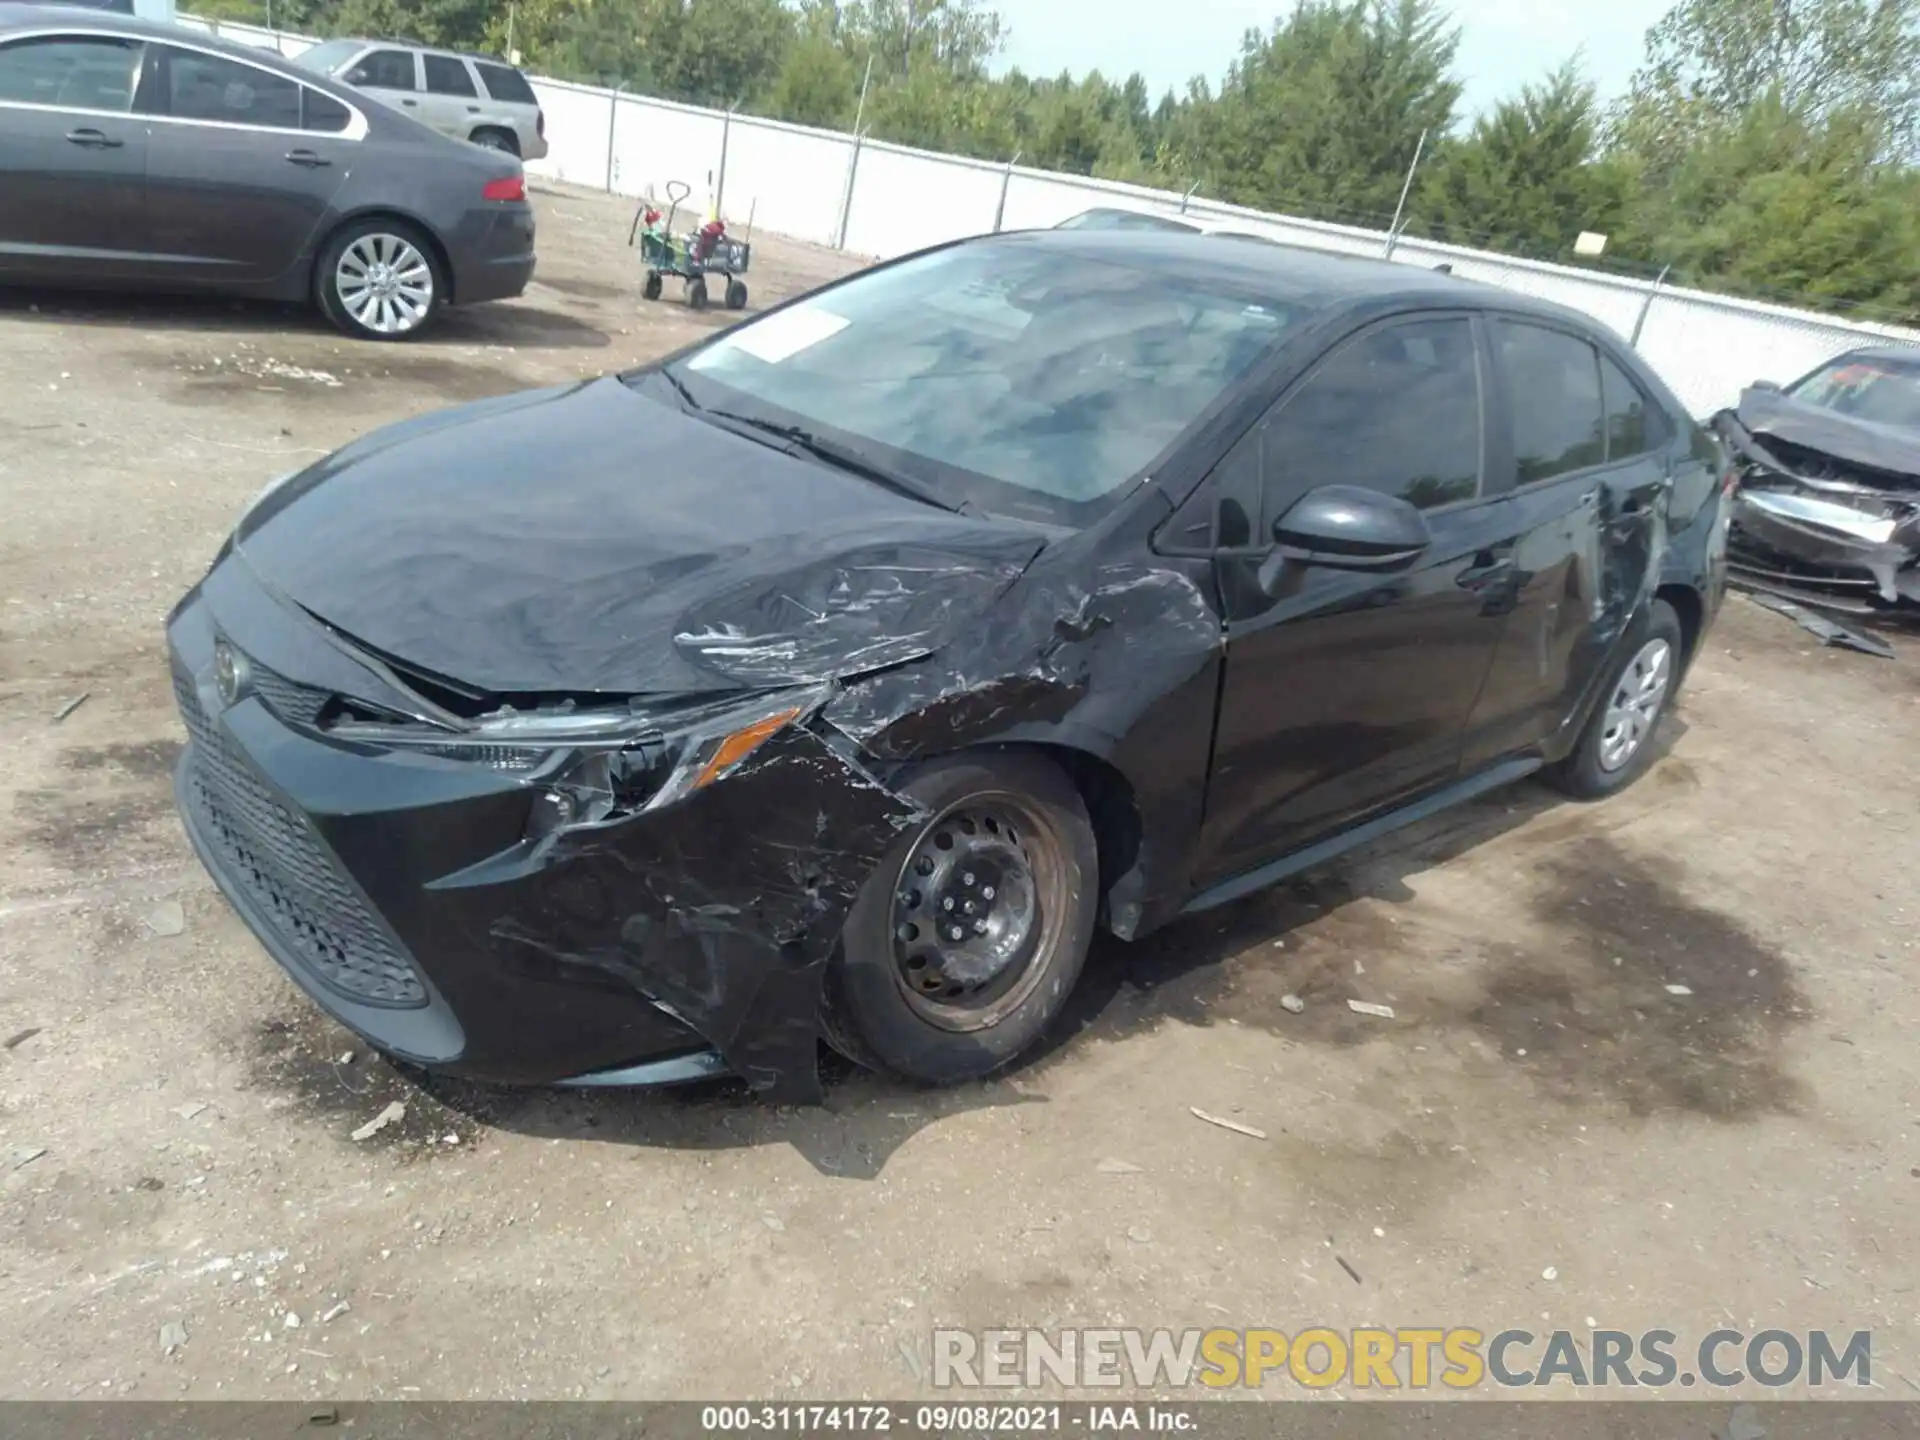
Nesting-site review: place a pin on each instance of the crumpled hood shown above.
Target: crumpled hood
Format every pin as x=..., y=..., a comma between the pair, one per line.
x=591, y=538
x=1774, y=415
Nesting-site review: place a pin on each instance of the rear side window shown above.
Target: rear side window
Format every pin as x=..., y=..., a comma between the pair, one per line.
x=91, y=72
x=384, y=70
x=323, y=113
x=447, y=76
x=1396, y=410
x=503, y=82
x=208, y=87
x=1635, y=425
x=1553, y=392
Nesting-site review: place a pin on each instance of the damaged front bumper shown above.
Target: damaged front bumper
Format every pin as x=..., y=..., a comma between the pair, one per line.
x=1829, y=539
x=415, y=899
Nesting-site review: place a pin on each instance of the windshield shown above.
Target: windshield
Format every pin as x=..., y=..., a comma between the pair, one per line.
x=1884, y=392
x=1025, y=379
x=327, y=56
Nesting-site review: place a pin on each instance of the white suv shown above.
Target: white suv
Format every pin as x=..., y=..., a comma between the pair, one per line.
x=467, y=96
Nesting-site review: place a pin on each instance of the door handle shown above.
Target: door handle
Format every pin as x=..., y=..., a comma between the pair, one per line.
x=473, y=109
x=409, y=103
x=93, y=139
x=307, y=158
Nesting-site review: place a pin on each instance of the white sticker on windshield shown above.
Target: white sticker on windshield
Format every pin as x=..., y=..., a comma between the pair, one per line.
x=779, y=337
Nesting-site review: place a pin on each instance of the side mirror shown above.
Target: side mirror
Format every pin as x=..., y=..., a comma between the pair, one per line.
x=355, y=76
x=1344, y=527
x=1773, y=385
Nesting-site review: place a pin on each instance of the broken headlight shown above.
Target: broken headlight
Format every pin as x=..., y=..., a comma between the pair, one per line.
x=593, y=763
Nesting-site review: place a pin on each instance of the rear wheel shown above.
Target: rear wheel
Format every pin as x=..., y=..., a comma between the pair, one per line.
x=736, y=295
x=1617, y=746
x=697, y=293
x=969, y=935
x=377, y=279
x=504, y=141
x=651, y=290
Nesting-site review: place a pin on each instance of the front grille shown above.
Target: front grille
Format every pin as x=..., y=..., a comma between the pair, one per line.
x=291, y=701
x=275, y=856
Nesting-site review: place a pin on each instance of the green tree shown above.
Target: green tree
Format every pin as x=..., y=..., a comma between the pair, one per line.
x=1527, y=177
x=1708, y=61
x=1322, y=115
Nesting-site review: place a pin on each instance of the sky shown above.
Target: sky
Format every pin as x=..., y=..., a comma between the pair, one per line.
x=1503, y=43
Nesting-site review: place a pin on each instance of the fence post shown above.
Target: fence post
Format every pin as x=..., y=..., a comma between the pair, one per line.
x=1640, y=320
x=1006, y=179
x=720, y=185
x=613, y=126
x=1188, y=196
x=846, y=200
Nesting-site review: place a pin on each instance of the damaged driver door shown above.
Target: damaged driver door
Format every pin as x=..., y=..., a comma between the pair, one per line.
x=1365, y=579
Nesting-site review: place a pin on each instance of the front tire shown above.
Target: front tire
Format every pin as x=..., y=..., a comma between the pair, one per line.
x=1617, y=746
x=969, y=935
x=377, y=279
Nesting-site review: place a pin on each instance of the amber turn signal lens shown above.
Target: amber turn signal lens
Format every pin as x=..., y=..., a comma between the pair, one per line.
x=740, y=744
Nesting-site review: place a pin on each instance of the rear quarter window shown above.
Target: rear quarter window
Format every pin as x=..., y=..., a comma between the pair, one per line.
x=503, y=82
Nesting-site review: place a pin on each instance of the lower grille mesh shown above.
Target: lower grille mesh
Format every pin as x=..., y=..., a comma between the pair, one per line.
x=275, y=857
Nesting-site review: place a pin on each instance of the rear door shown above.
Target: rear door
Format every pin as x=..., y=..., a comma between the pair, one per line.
x=390, y=75
x=243, y=165
x=451, y=103
x=1588, y=482
x=73, y=158
x=1348, y=692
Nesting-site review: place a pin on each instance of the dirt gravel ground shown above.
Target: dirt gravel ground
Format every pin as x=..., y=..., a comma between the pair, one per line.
x=1544, y=1136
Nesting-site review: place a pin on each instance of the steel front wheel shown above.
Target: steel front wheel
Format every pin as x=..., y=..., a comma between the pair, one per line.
x=1617, y=745
x=969, y=935
x=378, y=280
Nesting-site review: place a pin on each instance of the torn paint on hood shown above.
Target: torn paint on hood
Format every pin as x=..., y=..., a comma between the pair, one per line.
x=593, y=539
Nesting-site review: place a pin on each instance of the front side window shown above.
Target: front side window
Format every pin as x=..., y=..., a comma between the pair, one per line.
x=447, y=76
x=1395, y=410
x=1886, y=392
x=384, y=70
x=1010, y=374
x=1553, y=395
x=329, y=55
x=210, y=87
x=75, y=72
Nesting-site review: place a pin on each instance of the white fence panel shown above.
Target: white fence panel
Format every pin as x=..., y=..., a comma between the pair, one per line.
x=788, y=178
x=656, y=142
x=576, y=133
x=905, y=200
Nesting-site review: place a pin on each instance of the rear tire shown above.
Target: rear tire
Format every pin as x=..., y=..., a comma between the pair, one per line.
x=1019, y=850
x=697, y=294
x=651, y=290
x=345, y=275
x=736, y=295
x=504, y=141
x=1617, y=746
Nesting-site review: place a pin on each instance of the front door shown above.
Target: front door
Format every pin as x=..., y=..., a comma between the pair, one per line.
x=1347, y=692
x=237, y=186
x=1588, y=480
x=73, y=158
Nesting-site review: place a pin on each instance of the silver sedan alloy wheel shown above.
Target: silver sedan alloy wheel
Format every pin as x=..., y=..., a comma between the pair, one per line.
x=1635, y=707
x=385, y=283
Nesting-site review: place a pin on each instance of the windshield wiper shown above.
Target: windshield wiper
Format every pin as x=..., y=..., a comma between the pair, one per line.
x=679, y=388
x=800, y=438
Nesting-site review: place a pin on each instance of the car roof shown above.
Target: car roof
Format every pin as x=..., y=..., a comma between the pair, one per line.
x=417, y=45
x=17, y=17
x=1328, y=278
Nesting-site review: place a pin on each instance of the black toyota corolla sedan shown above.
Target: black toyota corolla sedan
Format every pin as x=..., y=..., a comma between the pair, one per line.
x=142, y=156
x=840, y=675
